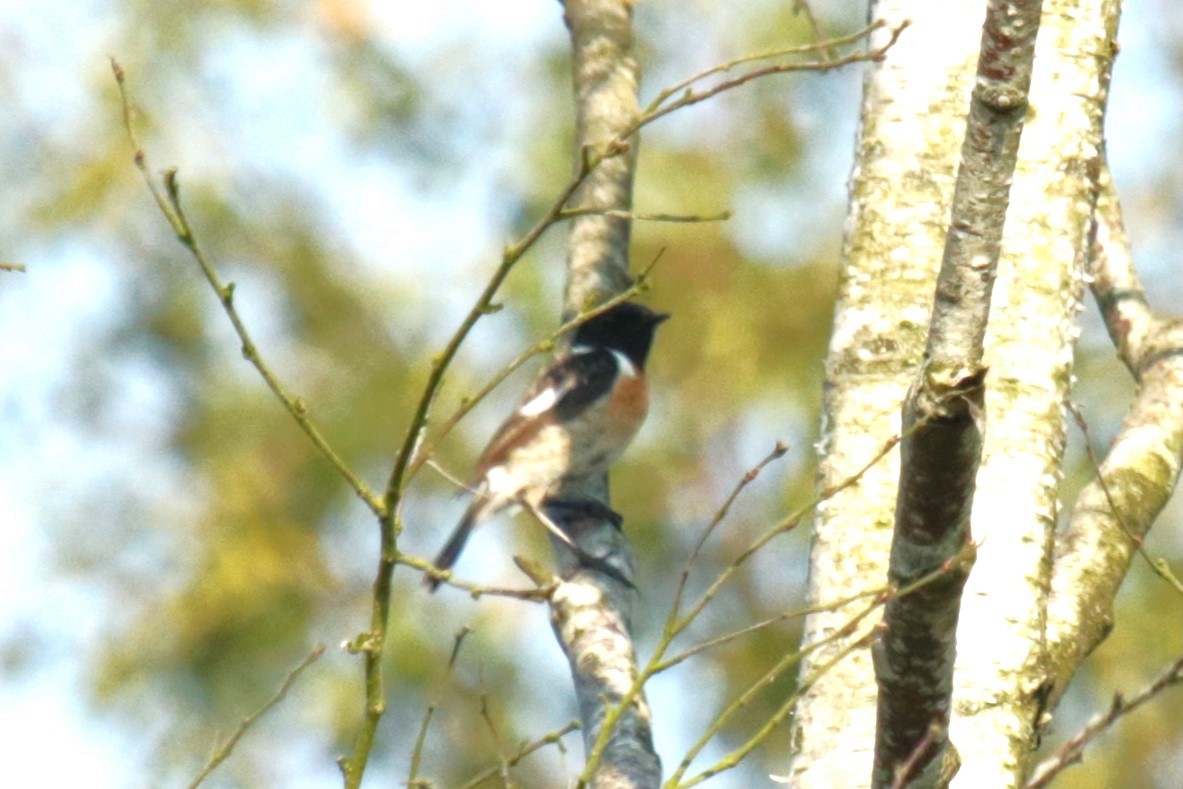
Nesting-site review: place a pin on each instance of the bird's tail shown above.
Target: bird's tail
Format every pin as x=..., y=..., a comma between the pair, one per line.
x=480, y=508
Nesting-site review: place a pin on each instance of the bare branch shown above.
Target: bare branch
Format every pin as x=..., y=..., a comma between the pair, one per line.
x=226, y=748
x=817, y=46
x=677, y=622
x=1139, y=474
x=803, y=7
x=1072, y=751
x=912, y=764
x=429, y=712
x=617, y=214
x=168, y=200
x=476, y=591
x=1114, y=281
x=733, y=759
x=691, y=97
x=780, y=667
x=502, y=769
x=552, y=738
x=777, y=452
x=726, y=638
x=1135, y=533
x=914, y=660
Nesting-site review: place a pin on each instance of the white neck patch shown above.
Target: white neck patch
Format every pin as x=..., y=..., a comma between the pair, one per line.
x=627, y=368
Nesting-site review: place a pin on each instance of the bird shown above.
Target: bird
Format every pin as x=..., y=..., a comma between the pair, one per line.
x=574, y=421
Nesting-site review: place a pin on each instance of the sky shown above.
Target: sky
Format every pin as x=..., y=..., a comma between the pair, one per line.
x=62, y=45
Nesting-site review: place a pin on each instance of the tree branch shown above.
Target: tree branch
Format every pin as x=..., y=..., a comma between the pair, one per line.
x=914, y=659
x=590, y=615
x=590, y=611
x=226, y=748
x=168, y=200
x=1138, y=476
x=1072, y=751
x=551, y=738
x=413, y=779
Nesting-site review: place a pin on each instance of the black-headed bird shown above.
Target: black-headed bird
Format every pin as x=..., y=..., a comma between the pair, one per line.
x=574, y=421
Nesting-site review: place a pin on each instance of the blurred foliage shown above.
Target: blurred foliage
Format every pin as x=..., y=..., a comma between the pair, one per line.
x=225, y=546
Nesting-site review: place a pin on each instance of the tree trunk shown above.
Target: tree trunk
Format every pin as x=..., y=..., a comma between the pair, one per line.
x=914, y=107
x=913, y=121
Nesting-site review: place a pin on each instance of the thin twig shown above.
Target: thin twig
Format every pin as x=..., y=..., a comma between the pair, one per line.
x=552, y=738
x=804, y=49
x=1113, y=279
x=677, y=624
x=733, y=759
x=796, y=613
x=1072, y=751
x=429, y=712
x=616, y=213
x=12, y=266
x=777, y=452
x=1160, y=567
x=226, y=748
x=458, y=483
x=503, y=766
x=168, y=199
x=657, y=109
x=476, y=591
x=906, y=771
x=746, y=698
x=803, y=7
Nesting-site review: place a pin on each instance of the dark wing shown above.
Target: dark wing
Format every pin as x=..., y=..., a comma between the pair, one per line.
x=567, y=389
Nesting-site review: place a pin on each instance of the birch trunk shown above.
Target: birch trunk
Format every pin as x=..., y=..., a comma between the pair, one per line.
x=913, y=113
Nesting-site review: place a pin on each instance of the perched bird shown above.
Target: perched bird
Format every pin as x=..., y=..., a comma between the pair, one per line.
x=575, y=420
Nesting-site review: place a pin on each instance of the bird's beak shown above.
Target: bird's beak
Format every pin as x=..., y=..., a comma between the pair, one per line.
x=660, y=317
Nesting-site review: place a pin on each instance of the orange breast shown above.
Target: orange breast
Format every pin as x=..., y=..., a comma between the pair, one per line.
x=630, y=402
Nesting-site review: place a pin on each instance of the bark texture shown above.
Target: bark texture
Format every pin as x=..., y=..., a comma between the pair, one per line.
x=606, y=81
x=914, y=104
x=943, y=421
x=1141, y=470
x=590, y=609
x=1000, y=685
x=911, y=131
x=589, y=614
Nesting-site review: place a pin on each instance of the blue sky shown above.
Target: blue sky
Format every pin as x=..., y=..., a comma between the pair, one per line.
x=56, y=59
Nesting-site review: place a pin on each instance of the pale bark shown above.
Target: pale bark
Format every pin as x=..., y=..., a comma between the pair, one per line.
x=943, y=421
x=999, y=689
x=590, y=609
x=589, y=614
x=1139, y=474
x=913, y=120
x=914, y=105
x=606, y=81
